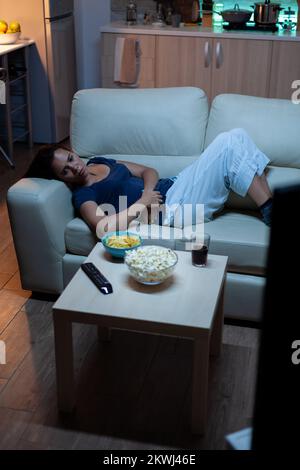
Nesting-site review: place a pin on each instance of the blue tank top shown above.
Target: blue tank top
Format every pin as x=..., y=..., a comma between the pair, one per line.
x=119, y=182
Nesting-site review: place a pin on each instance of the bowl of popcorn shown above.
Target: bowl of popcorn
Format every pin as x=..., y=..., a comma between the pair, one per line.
x=150, y=264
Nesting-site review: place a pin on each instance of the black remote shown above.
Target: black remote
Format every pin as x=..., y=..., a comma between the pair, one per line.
x=97, y=277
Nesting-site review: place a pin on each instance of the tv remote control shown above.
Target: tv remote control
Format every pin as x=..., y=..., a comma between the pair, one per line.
x=97, y=278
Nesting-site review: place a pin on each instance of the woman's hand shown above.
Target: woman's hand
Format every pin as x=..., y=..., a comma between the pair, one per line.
x=151, y=197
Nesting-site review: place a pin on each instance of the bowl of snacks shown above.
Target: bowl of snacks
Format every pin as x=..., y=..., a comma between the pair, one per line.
x=116, y=243
x=150, y=264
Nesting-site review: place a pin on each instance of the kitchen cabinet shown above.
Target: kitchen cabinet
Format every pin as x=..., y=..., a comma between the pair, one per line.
x=241, y=66
x=215, y=65
x=285, y=68
x=147, y=45
x=184, y=61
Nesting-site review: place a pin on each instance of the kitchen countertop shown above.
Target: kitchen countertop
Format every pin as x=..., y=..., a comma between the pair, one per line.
x=216, y=31
x=6, y=48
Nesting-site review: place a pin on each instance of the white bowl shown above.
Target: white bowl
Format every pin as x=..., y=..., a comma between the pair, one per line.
x=149, y=272
x=9, y=38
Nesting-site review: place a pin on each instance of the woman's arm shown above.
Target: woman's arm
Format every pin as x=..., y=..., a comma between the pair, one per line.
x=101, y=223
x=149, y=175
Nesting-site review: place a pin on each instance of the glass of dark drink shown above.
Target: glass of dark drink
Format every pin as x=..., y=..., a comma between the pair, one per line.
x=200, y=251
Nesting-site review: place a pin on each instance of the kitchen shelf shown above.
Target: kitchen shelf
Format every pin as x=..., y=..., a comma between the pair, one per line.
x=20, y=136
x=21, y=77
x=16, y=113
x=19, y=108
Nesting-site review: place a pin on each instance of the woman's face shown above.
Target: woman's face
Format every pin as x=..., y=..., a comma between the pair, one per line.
x=69, y=167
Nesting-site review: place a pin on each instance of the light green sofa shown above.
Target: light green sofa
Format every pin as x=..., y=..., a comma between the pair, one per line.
x=166, y=129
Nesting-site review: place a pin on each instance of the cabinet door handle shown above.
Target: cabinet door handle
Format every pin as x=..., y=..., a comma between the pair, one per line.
x=207, y=54
x=219, y=55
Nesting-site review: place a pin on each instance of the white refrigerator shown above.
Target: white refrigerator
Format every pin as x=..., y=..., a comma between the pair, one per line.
x=52, y=62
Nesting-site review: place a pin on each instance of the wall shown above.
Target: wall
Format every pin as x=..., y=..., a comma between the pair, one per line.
x=89, y=16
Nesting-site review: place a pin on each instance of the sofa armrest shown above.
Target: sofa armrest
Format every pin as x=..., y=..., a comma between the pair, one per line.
x=39, y=211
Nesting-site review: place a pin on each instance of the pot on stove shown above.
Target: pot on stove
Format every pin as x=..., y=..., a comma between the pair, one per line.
x=266, y=13
x=236, y=15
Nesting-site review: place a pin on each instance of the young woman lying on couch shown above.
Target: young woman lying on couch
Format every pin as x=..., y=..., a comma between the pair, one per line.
x=231, y=162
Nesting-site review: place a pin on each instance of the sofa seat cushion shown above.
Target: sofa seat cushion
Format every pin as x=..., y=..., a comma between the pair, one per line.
x=166, y=166
x=80, y=240
x=242, y=237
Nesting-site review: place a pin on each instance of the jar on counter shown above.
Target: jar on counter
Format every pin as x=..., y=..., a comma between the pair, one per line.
x=196, y=16
x=160, y=14
x=131, y=13
x=217, y=18
x=169, y=16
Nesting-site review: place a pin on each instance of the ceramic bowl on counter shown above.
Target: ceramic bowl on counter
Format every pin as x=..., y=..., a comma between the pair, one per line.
x=9, y=38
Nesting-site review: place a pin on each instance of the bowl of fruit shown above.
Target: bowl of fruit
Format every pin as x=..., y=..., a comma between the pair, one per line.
x=9, y=34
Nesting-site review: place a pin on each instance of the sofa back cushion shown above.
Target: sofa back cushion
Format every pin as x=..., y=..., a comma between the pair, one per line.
x=166, y=167
x=273, y=124
x=163, y=122
x=277, y=177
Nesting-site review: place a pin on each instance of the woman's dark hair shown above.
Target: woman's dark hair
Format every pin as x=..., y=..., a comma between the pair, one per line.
x=41, y=167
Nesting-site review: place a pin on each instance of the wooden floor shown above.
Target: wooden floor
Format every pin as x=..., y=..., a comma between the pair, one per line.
x=133, y=392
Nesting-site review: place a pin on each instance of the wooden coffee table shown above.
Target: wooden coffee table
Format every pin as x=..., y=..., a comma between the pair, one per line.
x=189, y=305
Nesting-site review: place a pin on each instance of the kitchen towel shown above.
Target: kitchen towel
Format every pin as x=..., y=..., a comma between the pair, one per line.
x=127, y=62
x=2, y=92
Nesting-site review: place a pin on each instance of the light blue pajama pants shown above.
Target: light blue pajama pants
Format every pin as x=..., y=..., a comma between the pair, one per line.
x=230, y=162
